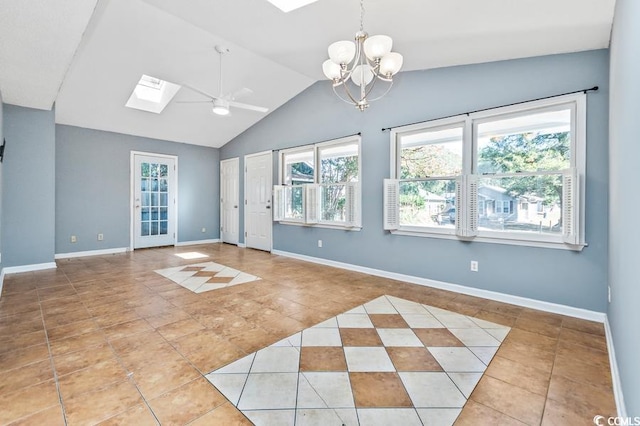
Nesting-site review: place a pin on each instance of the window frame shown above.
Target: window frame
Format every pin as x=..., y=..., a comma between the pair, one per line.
x=576, y=103
x=316, y=149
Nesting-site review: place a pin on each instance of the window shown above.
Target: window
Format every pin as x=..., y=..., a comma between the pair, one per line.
x=504, y=175
x=320, y=184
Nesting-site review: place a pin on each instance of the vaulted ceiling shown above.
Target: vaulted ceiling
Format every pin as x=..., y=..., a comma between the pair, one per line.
x=86, y=56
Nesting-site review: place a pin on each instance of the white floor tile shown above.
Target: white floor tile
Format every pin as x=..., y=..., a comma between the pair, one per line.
x=453, y=320
x=466, y=382
x=179, y=277
x=438, y=416
x=457, y=359
x=499, y=333
x=486, y=324
x=368, y=359
x=432, y=390
x=271, y=417
x=484, y=353
x=354, y=321
x=209, y=287
x=321, y=390
x=474, y=337
x=422, y=320
x=330, y=323
x=230, y=385
x=169, y=271
x=327, y=417
x=388, y=416
x=243, y=365
x=242, y=278
x=213, y=267
x=406, y=306
x=269, y=391
x=358, y=310
x=321, y=337
x=380, y=306
x=276, y=359
x=293, y=340
x=399, y=337
x=228, y=272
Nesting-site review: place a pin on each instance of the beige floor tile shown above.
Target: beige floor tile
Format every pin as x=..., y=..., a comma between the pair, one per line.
x=508, y=399
x=224, y=415
x=102, y=404
x=28, y=401
x=186, y=403
x=379, y=390
x=322, y=358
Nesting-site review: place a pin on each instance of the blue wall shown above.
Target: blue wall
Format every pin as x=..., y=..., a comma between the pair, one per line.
x=28, y=195
x=93, y=188
x=624, y=234
x=565, y=277
x=1, y=141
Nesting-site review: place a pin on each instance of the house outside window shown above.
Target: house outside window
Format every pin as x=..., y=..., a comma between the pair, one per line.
x=509, y=175
x=320, y=184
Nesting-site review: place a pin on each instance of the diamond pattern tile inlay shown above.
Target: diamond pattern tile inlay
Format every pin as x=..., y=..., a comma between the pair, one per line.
x=207, y=276
x=389, y=361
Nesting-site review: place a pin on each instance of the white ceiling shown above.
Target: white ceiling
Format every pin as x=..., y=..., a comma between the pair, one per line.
x=275, y=54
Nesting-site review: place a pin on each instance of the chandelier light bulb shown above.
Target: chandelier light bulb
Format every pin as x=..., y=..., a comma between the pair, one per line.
x=390, y=64
x=342, y=52
x=362, y=73
x=331, y=69
x=220, y=107
x=377, y=46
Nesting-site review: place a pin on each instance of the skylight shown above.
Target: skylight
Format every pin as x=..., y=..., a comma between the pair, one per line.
x=152, y=94
x=289, y=5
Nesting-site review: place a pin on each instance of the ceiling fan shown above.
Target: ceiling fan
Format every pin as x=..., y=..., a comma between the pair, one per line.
x=223, y=102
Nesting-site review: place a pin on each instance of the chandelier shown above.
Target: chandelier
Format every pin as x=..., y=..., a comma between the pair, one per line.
x=354, y=68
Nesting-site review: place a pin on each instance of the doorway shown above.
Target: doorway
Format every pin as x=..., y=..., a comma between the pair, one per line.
x=229, y=201
x=154, y=200
x=257, y=212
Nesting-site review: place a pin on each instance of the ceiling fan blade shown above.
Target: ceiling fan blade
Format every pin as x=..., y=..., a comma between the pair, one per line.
x=202, y=92
x=240, y=93
x=194, y=102
x=247, y=106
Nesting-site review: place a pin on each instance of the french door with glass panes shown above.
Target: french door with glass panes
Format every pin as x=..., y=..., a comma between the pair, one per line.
x=154, y=200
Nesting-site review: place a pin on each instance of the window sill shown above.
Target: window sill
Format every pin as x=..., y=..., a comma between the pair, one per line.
x=494, y=240
x=321, y=225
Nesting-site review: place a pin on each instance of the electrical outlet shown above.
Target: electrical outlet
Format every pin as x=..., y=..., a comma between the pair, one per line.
x=74, y=239
x=100, y=237
x=204, y=230
x=474, y=266
x=319, y=243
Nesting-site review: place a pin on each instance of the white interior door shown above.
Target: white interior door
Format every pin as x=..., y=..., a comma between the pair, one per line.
x=229, y=201
x=258, y=200
x=154, y=200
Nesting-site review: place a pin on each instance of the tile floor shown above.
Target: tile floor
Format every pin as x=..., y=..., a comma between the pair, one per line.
x=201, y=277
x=106, y=340
x=380, y=362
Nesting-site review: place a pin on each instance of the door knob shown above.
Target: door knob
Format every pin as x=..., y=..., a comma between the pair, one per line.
x=268, y=207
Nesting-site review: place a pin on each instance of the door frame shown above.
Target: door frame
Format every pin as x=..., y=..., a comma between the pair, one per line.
x=229, y=160
x=132, y=190
x=244, y=205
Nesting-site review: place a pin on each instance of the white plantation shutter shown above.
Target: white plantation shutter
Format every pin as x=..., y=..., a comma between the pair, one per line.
x=472, y=206
x=391, y=204
x=467, y=206
x=352, y=207
x=311, y=203
x=278, y=202
x=570, y=206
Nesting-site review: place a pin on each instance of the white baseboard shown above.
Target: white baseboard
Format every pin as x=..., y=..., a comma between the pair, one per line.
x=29, y=268
x=615, y=373
x=487, y=294
x=193, y=243
x=91, y=253
x=242, y=245
x=1, y=281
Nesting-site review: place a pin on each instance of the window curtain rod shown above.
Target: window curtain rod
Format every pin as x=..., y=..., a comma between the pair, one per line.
x=593, y=89
x=315, y=143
